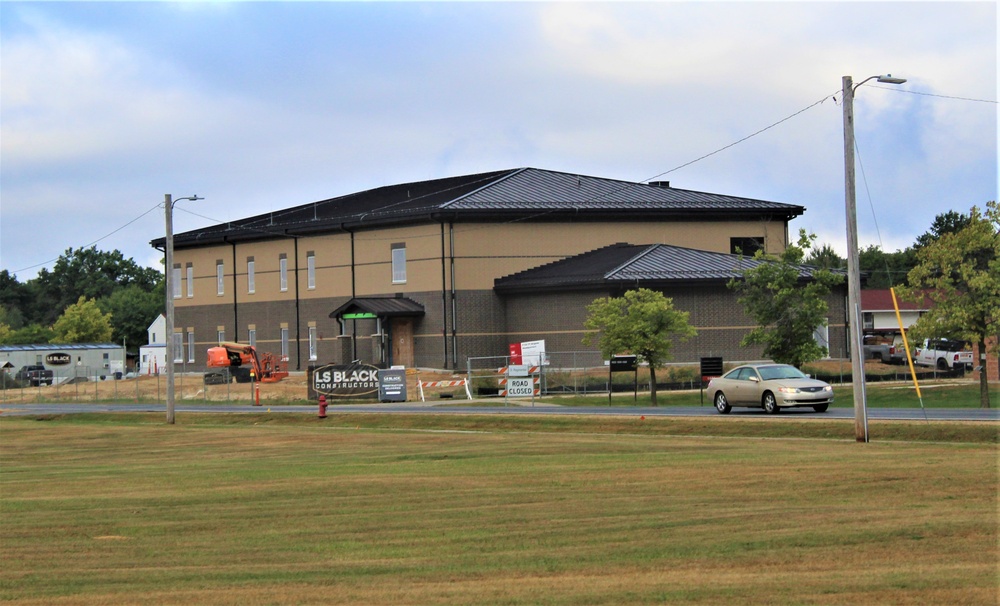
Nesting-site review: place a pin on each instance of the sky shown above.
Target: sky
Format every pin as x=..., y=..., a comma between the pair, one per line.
x=259, y=106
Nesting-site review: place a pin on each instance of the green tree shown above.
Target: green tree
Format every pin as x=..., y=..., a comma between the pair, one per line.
x=132, y=310
x=643, y=323
x=946, y=223
x=31, y=335
x=960, y=273
x=84, y=272
x=14, y=297
x=788, y=303
x=885, y=270
x=826, y=258
x=82, y=322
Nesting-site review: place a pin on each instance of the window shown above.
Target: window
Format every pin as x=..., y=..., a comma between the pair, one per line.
x=822, y=337
x=745, y=246
x=190, y=280
x=312, y=343
x=284, y=343
x=175, y=279
x=107, y=360
x=283, y=271
x=190, y=345
x=178, y=347
x=311, y=269
x=220, y=278
x=222, y=336
x=398, y=263
x=251, y=285
x=252, y=337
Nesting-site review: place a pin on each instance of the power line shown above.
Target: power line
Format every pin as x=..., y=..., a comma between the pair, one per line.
x=104, y=237
x=913, y=92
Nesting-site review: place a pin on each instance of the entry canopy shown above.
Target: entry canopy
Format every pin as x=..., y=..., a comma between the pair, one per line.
x=378, y=307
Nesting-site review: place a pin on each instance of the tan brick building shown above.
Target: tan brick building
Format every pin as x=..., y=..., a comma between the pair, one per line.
x=414, y=273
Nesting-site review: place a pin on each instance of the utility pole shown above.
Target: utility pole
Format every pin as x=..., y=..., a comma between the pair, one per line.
x=168, y=207
x=853, y=270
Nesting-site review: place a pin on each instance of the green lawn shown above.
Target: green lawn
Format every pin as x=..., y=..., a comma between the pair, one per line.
x=385, y=509
x=940, y=394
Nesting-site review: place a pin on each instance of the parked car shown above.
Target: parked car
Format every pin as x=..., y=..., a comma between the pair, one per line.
x=35, y=375
x=944, y=354
x=769, y=386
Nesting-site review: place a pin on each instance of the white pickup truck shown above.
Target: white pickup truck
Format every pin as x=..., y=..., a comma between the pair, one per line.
x=943, y=355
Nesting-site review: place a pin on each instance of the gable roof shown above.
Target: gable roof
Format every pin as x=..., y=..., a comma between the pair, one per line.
x=515, y=194
x=881, y=300
x=383, y=307
x=621, y=264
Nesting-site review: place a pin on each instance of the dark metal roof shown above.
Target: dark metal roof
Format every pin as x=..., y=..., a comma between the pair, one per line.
x=516, y=194
x=631, y=264
x=383, y=307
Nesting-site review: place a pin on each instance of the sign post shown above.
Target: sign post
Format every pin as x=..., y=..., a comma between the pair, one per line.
x=624, y=364
x=392, y=385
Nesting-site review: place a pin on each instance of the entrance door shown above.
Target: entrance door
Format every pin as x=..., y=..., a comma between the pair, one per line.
x=402, y=342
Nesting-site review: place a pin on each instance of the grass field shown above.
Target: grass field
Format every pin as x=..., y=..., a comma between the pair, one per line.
x=379, y=509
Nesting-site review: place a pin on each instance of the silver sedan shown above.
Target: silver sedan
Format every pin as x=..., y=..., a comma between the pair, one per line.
x=769, y=386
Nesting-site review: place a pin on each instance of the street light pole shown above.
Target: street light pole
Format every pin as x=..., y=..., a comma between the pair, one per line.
x=168, y=207
x=853, y=271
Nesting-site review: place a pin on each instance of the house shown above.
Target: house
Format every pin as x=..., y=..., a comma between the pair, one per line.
x=879, y=314
x=431, y=273
x=153, y=355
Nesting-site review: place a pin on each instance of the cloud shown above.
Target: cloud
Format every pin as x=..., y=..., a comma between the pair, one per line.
x=260, y=106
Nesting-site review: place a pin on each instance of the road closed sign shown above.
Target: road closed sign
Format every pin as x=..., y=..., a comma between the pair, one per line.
x=520, y=387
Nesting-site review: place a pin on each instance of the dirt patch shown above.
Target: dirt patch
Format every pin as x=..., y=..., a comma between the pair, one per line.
x=192, y=387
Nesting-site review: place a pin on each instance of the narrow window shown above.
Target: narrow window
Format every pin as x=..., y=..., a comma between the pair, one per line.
x=190, y=280
x=312, y=343
x=222, y=336
x=311, y=267
x=398, y=263
x=284, y=343
x=178, y=347
x=252, y=337
x=220, y=277
x=175, y=278
x=283, y=271
x=251, y=284
x=190, y=345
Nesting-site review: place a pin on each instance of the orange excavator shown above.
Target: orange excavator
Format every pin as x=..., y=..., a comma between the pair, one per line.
x=246, y=363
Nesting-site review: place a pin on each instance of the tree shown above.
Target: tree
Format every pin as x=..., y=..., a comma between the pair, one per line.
x=31, y=335
x=788, y=303
x=826, y=258
x=14, y=297
x=85, y=272
x=946, y=223
x=885, y=270
x=642, y=322
x=960, y=273
x=132, y=310
x=82, y=322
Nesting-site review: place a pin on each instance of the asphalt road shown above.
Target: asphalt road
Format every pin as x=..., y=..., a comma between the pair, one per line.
x=931, y=414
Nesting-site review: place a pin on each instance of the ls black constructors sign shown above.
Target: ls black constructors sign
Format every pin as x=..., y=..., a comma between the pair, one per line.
x=344, y=381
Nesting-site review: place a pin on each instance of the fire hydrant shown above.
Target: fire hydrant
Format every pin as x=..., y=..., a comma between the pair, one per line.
x=322, y=407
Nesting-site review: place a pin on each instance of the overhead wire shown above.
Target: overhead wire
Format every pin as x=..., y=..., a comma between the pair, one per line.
x=104, y=237
x=264, y=230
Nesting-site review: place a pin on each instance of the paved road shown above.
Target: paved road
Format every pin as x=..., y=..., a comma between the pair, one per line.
x=932, y=414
